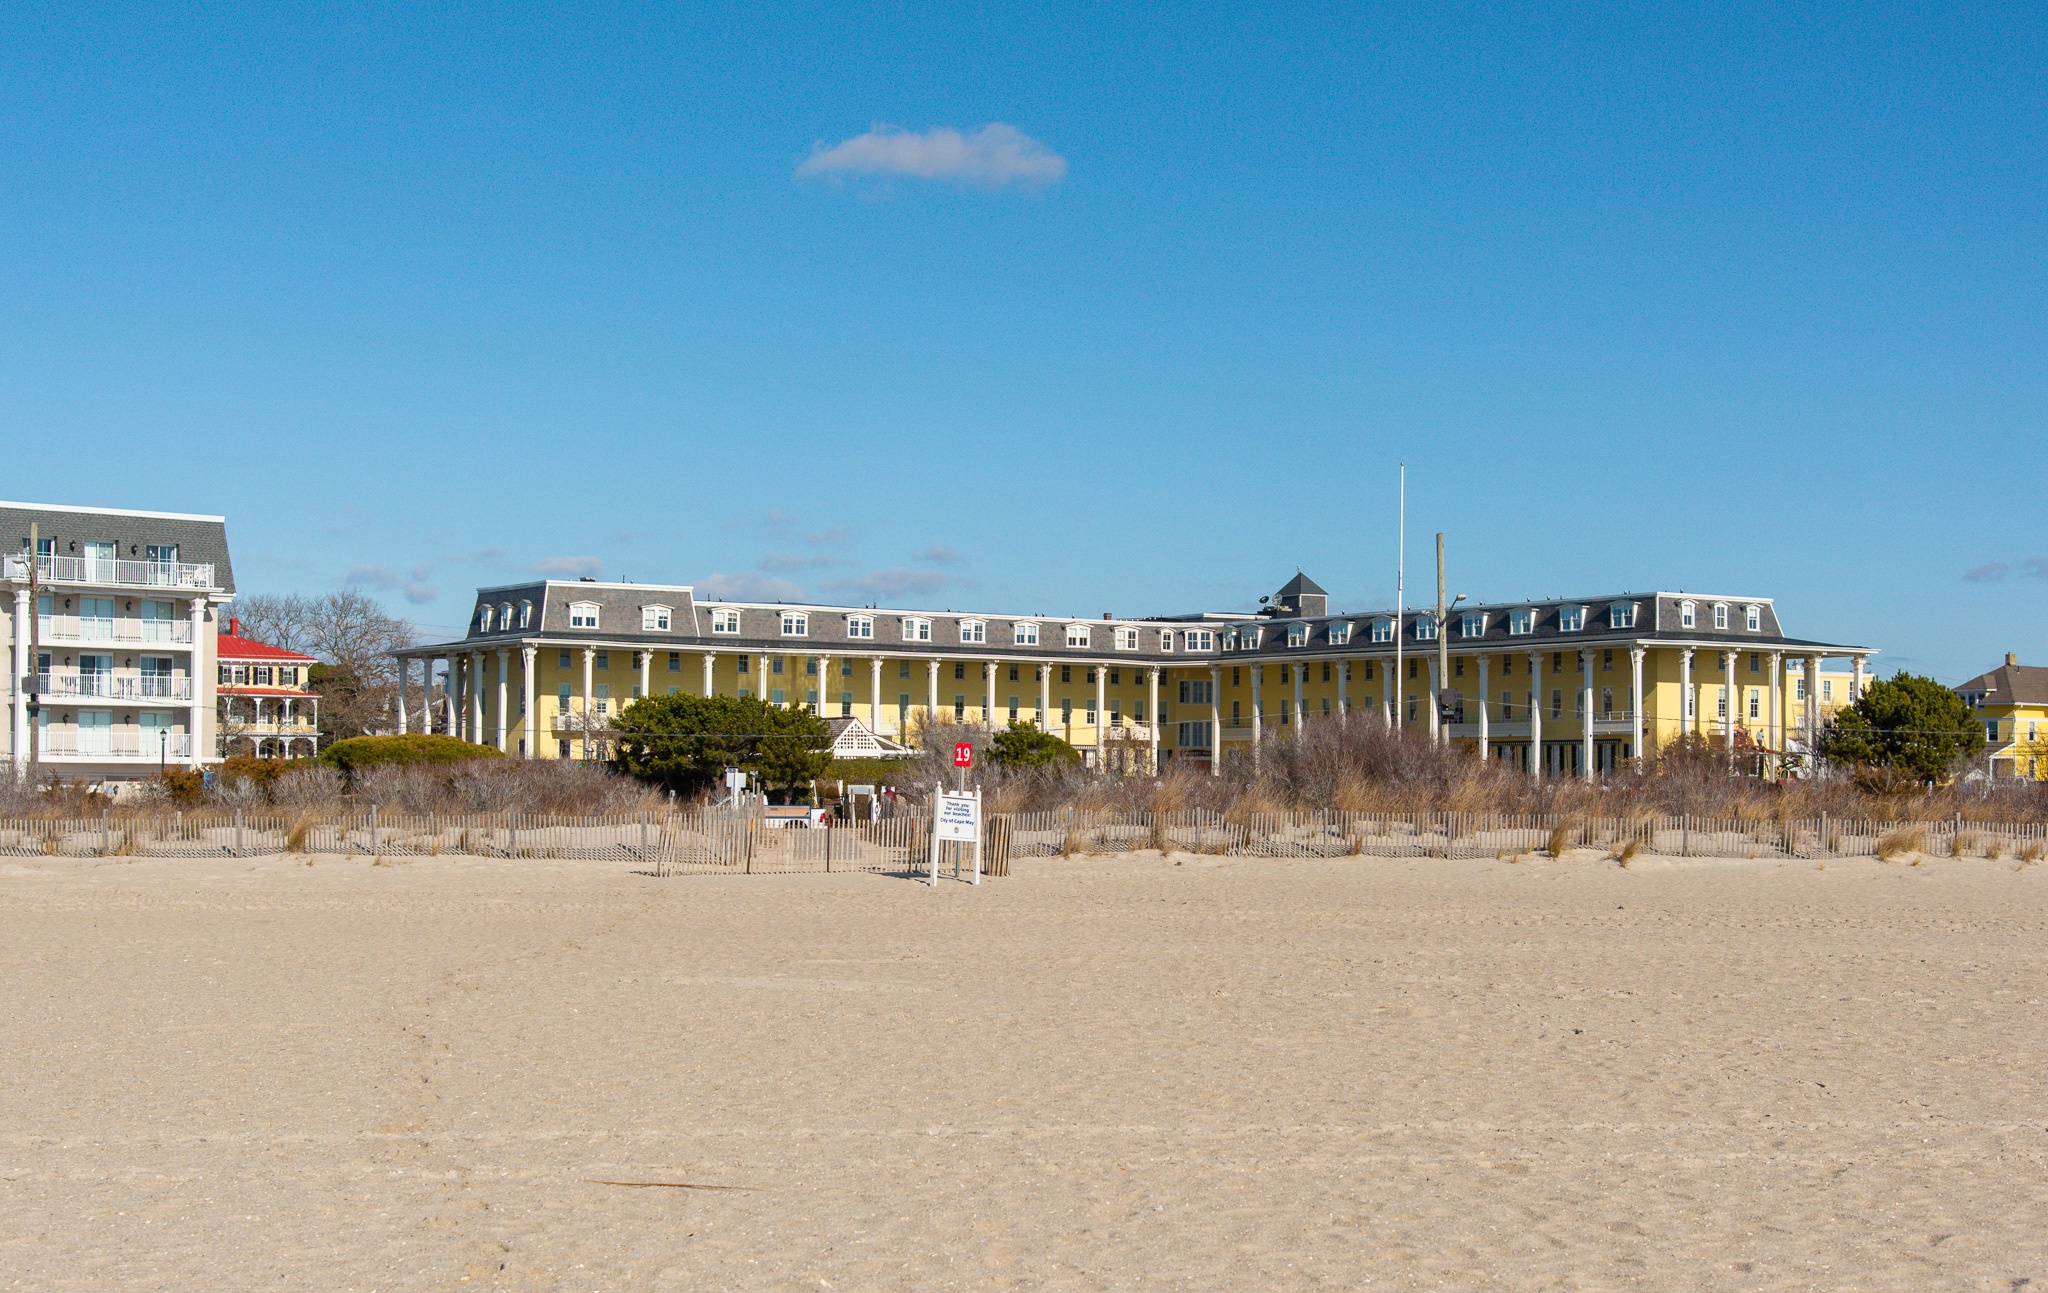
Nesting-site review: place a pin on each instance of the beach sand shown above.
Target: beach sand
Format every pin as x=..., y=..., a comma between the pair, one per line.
x=1096, y=1073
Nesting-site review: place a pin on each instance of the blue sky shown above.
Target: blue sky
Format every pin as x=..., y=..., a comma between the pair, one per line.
x=1066, y=310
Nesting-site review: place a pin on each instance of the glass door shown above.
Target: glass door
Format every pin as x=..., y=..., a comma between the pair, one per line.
x=96, y=732
x=96, y=619
x=159, y=622
x=99, y=562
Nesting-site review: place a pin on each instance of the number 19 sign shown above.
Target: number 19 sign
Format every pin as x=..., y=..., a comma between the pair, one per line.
x=963, y=754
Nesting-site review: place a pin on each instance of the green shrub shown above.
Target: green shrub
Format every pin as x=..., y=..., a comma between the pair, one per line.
x=361, y=752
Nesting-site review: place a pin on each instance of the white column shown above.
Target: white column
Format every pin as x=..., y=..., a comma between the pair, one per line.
x=404, y=674
x=458, y=703
x=710, y=671
x=824, y=685
x=1777, y=718
x=1389, y=689
x=1686, y=700
x=1482, y=662
x=1152, y=715
x=1258, y=672
x=875, y=694
x=1215, y=720
x=526, y=696
x=1101, y=718
x=504, y=692
x=1429, y=702
x=22, y=610
x=1635, y=703
x=645, y=659
x=993, y=679
x=931, y=692
x=1300, y=705
x=761, y=678
x=1045, y=697
x=1586, y=731
x=1813, y=710
x=1536, y=715
x=589, y=690
x=1728, y=694
x=476, y=696
x=194, y=721
x=1343, y=690
x=1855, y=686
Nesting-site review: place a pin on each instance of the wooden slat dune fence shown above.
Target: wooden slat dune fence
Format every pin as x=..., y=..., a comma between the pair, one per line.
x=723, y=842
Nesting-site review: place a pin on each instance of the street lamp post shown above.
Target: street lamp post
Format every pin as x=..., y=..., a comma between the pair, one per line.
x=163, y=751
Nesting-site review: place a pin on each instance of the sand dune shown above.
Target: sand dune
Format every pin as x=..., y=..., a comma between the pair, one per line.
x=1092, y=1074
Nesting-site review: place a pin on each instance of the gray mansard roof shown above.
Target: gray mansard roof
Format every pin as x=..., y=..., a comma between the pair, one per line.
x=200, y=539
x=523, y=612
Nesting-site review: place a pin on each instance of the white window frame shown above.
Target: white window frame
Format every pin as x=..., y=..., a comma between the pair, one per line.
x=1472, y=624
x=1621, y=615
x=796, y=624
x=525, y=614
x=1688, y=614
x=1382, y=631
x=1721, y=616
x=1165, y=640
x=1522, y=623
x=504, y=617
x=1077, y=637
x=1126, y=638
x=725, y=619
x=1425, y=628
x=1024, y=633
x=1340, y=633
x=656, y=619
x=1753, y=618
x=916, y=629
x=484, y=615
x=1297, y=635
x=974, y=632
x=860, y=627
x=583, y=615
x=1200, y=639
x=1571, y=619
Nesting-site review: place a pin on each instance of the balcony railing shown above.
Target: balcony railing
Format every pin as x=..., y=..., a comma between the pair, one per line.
x=107, y=686
x=104, y=743
x=127, y=574
x=77, y=628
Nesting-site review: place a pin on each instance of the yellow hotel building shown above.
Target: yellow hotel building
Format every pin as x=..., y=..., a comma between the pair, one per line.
x=1559, y=688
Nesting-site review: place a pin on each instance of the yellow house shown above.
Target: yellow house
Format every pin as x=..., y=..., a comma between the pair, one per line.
x=2012, y=701
x=1557, y=687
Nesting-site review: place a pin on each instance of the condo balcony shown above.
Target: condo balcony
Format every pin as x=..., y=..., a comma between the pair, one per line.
x=116, y=573
x=109, y=686
x=141, y=745
x=87, y=628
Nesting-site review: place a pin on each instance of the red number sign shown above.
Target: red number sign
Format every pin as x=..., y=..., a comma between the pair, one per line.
x=963, y=755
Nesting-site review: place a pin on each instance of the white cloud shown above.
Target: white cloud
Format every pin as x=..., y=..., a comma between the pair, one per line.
x=569, y=567
x=413, y=584
x=938, y=554
x=796, y=560
x=896, y=581
x=750, y=588
x=990, y=157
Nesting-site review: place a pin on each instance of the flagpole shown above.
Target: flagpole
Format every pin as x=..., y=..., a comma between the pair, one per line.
x=1400, y=592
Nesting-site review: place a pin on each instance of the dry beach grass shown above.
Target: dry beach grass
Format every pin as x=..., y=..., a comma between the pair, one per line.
x=1203, y=1072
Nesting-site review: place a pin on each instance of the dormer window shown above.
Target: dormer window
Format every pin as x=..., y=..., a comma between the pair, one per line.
x=1077, y=635
x=973, y=631
x=1473, y=625
x=1249, y=639
x=583, y=615
x=1340, y=633
x=1571, y=619
x=1425, y=628
x=1621, y=615
x=1297, y=635
x=796, y=624
x=917, y=630
x=1200, y=640
x=1688, y=614
x=483, y=619
x=1753, y=618
x=1383, y=630
x=1126, y=638
x=1024, y=633
x=525, y=614
x=654, y=619
x=860, y=626
x=1166, y=639
x=725, y=620
x=504, y=616
x=1521, y=623
x=1721, y=616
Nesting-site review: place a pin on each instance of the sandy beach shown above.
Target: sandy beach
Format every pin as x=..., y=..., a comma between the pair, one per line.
x=1226, y=1073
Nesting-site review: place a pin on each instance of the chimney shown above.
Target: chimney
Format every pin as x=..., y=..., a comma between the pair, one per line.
x=235, y=631
x=2011, y=659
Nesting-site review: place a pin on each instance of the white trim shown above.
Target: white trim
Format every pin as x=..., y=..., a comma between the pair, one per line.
x=115, y=511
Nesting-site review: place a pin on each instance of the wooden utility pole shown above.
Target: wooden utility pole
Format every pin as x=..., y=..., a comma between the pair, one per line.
x=33, y=680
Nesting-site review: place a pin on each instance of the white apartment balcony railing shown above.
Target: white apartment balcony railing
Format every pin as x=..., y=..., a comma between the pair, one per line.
x=107, y=686
x=102, y=743
x=76, y=628
x=126, y=574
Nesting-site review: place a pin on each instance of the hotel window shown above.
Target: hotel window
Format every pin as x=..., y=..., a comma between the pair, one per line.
x=1571, y=619
x=1753, y=618
x=525, y=614
x=483, y=619
x=960, y=671
x=1621, y=615
x=1013, y=673
x=1827, y=689
x=604, y=659
x=1024, y=633
x=1200, y=640
x=1720, y=615
x=1474, y=624
x=1607, y=702
x=583, y=615
x=1425, y=628
x=725, y=621
x=504, y=616
x=1297, y=635
x=775, y=664
x=1756, y=702
x=675, y=662
x=1556, y=703
x=1607, y=661
x=917, y=630
x=775, y=695
x=1688, y=614
x=903, y=668
x=1126, y=639
x=1799, y=689
x=1326, y=669
x=973, y=631
x=1198, y=692
x=811, y=666
x=1077, y=635
x=1340, y=633
x=562, y=660
x=1521, y=623
x=860, y=626
x=741, y=664
x=287, y=675
x=604, y=691
x=796, y=624
x=562, y=698
x=1383, y=630
x=846, y=668
x=654, y=619
x=1721, y=703
x=1991, y=731
x=1166, y=639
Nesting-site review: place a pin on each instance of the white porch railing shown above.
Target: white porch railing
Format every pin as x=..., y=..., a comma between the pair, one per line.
x=126, y=574
x=75, y=628
x=107, y=686
x=124, y=743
